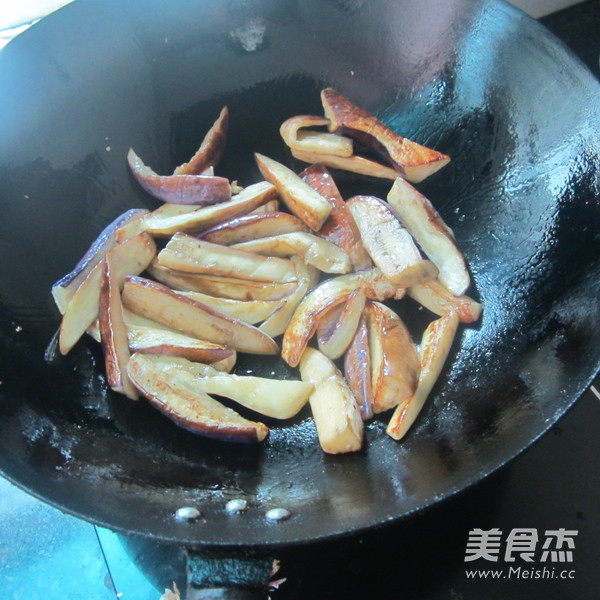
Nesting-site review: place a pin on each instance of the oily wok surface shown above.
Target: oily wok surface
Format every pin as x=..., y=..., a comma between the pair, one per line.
x=476, y=80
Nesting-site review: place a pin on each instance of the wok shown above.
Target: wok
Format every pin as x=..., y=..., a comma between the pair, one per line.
x=479, y=81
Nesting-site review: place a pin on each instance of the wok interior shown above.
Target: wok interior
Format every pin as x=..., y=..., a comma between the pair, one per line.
x=477, y=81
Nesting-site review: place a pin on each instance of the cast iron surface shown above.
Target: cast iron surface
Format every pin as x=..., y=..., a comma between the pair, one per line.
x=478, y=80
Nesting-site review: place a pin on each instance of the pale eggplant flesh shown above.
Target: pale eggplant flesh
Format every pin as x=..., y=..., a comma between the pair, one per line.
x=189, y=254
x=165, y=223
x=153, y=340
x=223, y=287
x=129, y=258
x=335, y=412
x=389, y=243
x=250, y=311
x=354, y=164
x=296, y=137
x=432, y=234
x=65, y=287
x=275, y=398
x=437, y=298
x=280, y=318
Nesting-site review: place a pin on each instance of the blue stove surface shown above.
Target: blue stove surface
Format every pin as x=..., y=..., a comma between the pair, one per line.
x=45, y=554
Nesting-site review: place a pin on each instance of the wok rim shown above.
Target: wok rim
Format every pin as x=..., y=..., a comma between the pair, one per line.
x=379, y=520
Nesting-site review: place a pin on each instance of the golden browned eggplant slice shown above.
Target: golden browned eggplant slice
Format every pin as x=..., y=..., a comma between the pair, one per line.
x=340, y=228
x=224, y=287
x=431, y=233
x=159, y=303
x=132, y=227
x=435, y=347
x=179, y=189
x=413, y=161
x=357, y=369
x=135, y=321
x=316, y=251
x=211, y=149
x=307, y=204
x=149, y=340
x=253, y=227
x=173, y=393
x=437, y=298
x=354, y=164
x=167, y=223
x=113, y=333
x=388, y=243
x=394, y=358
x=129, y=258
x=276, y=398
x=65, y=287
x=328, y=294
x=334, y=409
x=270, y=206
x=279, y=319
x=337, y=326
x=251, y=311
x=186, y=253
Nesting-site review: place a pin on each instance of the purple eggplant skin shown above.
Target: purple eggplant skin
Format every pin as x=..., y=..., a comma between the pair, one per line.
x=64, y=288
x=222, y=434
x=202, y=190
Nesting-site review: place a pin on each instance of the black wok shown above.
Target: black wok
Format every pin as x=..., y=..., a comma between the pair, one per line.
x=477, y=80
